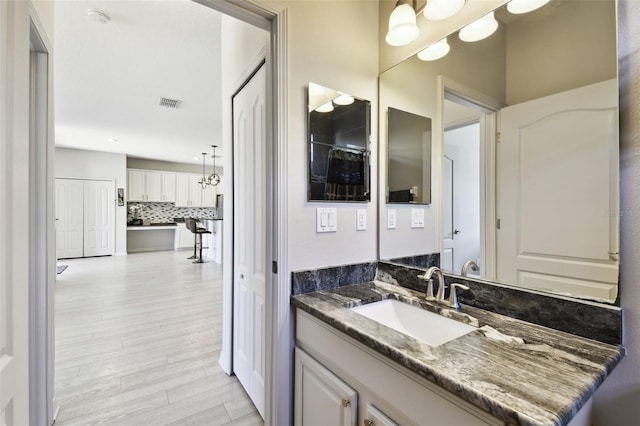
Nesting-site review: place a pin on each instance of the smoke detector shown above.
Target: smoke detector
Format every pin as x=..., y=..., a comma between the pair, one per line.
x=98, y=16
x=169, y=103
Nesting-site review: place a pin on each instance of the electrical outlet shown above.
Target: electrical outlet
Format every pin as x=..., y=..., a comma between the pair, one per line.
x=391, y=219
x=326, y=220
x=361, y=220
x=417, y=218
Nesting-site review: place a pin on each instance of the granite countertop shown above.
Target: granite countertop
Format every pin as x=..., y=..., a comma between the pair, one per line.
x=519, y=372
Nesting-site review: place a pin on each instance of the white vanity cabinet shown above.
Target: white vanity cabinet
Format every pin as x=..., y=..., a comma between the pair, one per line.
x=321, y=398
x=387, y=392
x=151, y=185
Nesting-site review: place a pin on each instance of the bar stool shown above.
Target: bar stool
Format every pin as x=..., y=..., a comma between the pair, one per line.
x=193, y=227
x=187, y=220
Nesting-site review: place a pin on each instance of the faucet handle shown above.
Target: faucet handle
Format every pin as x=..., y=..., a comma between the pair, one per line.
x=452, y=302
x=429, y=281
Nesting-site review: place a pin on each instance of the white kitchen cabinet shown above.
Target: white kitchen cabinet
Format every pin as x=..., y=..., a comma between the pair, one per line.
x=321, y=398
x=397, y=394
x=150, y=185
x=373, y=416
x=184, y=238
x=189, y=193
x=168, y=187
x=136, y=182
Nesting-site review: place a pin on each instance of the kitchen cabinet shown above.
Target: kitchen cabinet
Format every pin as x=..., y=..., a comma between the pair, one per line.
x=321, y=398
x=184, y=238
x=189, y=193
x=387, y=391
x=151, y=185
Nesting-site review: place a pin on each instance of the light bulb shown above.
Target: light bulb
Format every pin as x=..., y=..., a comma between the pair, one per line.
x=328, y=107
x=435, y=51
x=343, y=99
x=402, y=26
x=479, y=29
x=437, y=10
x=525, y=6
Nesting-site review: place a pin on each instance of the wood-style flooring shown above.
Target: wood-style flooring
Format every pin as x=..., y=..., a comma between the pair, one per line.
x=138, y=339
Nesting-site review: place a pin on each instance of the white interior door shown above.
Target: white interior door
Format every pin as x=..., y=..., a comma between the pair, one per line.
x=250, y=256
x=99, y=218
x=557, y=193
x=69, y=218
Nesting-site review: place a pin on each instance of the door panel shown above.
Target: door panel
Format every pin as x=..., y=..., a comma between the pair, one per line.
x=557, y=174
x=99, y=218
x=69, y=218
x=250, y=261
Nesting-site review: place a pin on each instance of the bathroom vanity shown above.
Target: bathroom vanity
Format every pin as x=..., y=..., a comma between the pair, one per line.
x=350, y=369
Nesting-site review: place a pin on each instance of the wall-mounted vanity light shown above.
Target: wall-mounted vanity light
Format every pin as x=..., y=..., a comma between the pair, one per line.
x=343, y=99
x=328, y=107
x=525, y=6
x=402, y=24
x=479, y=29
x=435, y=51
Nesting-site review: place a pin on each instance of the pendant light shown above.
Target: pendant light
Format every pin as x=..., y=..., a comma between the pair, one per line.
x=203, y=180
x=437, y=10
x=402, y=24
x=435, y=51
x=214, y=178
x=479, y=29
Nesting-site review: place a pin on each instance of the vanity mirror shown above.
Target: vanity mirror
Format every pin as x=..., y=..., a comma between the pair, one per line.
x=531, y=197
x=339, y=130
x=408, y=157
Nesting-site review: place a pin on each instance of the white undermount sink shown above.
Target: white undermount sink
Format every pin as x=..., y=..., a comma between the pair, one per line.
x=432, y=329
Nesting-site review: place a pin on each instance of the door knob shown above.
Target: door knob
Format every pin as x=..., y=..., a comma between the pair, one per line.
x=456, y=232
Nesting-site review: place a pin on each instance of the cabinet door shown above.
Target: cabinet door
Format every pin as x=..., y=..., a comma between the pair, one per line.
x=154, y=186
x=136, y=185
x=183, y=192
x=195, y=191
x=376, y=417
x=209, y=197
x=184, y=238
x=321, y=398
x=169, y=187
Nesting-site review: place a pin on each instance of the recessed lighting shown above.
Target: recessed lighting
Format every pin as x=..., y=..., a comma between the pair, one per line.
x=98, y=16
x=112, y=140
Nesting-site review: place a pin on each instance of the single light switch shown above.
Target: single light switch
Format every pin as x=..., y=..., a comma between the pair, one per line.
x=326, y=220
x=417, y=218
x=391, y=219
x=361, y=220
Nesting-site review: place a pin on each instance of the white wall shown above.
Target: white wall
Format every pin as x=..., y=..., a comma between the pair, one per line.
x=617, y=401
x=167, y=166
x=334, y=44
x=77, y=163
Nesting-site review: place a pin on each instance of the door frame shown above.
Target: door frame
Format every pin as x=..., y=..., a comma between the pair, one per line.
x=489, y=107
x=42, y=257
x=272, y=17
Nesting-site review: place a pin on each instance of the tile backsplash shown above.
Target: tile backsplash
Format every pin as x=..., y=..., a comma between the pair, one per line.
x=166, y=212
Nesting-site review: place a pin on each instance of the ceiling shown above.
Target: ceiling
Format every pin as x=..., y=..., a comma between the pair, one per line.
x=109, y=78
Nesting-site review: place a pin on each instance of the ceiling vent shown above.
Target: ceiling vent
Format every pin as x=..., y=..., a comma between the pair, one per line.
x=169, y=103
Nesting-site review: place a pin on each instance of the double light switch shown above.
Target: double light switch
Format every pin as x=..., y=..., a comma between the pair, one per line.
x=326, y=220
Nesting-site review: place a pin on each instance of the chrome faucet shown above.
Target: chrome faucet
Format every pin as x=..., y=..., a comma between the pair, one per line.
x=469, y=264
x=452, y=300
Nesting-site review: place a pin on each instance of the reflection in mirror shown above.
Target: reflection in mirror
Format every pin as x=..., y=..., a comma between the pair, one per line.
x=530, y=199
x=339, y=132
x=408, y=158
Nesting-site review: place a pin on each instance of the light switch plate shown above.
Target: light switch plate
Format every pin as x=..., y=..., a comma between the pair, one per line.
x=417, y=218
x=326, y=219
x=391, y=219
x=361, y=220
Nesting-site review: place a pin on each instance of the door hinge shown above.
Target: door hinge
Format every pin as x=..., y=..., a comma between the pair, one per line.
x=497, y=137
x=497, y=223
x=274, y=267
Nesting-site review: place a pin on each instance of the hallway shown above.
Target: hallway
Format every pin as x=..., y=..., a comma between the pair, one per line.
x=137, y=342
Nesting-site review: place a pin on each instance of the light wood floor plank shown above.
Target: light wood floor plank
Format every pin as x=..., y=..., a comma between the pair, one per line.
x=138, y=339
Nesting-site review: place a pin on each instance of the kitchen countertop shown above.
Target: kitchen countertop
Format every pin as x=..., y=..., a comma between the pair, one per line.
x=150, y=227
x=519, y=372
